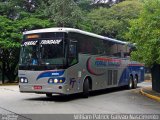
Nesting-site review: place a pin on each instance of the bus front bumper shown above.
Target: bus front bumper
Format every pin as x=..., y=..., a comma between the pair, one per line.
x=56, y=89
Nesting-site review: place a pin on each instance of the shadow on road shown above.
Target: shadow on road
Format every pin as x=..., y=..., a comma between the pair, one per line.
x=67, y=98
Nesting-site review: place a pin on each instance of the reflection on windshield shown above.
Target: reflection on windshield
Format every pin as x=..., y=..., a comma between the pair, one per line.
x=51, y=54
x=29, y=55
x=42, y=52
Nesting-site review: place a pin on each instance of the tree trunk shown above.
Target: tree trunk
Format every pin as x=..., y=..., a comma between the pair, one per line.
x=11, y=76
x=155, y=72
x=3, y=72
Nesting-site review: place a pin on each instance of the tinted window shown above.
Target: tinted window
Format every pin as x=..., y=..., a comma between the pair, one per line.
x=72, y=56
x=92, y=45
x=87, y=44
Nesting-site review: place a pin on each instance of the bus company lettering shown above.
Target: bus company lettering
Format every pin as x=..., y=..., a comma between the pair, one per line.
x=50, y=41
x=50, y=74
x=102, y=62
x=91, y=70
x=55, y=74
x=30, y=43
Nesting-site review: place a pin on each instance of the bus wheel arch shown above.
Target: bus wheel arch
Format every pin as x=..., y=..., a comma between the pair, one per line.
x=49, y=95
x=87, y=85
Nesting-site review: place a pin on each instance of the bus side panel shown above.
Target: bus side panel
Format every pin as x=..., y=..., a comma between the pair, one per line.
x=134, y=70
x=86, y=68
x=124, y=77
x=102, y=71
x=137, y=70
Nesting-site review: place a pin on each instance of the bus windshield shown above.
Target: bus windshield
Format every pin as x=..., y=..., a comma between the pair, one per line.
x=42, y=52
x=29, y=55
x=52, y=54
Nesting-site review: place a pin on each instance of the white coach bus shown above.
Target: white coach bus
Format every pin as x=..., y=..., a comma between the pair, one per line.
x=66, y=61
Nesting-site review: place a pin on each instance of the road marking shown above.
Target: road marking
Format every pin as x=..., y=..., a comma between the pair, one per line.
x=7, y=114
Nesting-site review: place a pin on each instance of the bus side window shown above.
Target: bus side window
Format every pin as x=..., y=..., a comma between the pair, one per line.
x=72, y=59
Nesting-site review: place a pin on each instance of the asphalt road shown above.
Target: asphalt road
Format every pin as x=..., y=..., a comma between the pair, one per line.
x=111, y=101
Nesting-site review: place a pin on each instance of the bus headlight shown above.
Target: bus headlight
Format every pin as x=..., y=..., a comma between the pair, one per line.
x=56, y=80
x=51, y=80
x=23, y=80
x=61, y=81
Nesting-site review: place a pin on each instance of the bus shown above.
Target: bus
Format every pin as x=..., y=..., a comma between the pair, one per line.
x=66, y=61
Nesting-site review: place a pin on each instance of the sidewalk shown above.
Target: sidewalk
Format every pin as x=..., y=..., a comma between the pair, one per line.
x=8, y=84
x=147, y=91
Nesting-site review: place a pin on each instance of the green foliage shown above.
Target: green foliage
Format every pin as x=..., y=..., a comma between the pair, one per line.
x=64, y=12
x=31, y=24
x=145, y=32
x=114, y=22
x=14, y=21
x=8, y=9
x=85, y=5
x=17, y=16
x=9, y=36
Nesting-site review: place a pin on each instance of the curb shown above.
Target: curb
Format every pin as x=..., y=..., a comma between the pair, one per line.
x=149, y=95
x=9, y=84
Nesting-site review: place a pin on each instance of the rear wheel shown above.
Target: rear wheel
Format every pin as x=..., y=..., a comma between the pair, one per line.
x=86, y=88
x=135, y=83
x=49, y=95
x=131, y=83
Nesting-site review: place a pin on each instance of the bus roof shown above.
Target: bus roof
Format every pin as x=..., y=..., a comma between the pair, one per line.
x=67, y=30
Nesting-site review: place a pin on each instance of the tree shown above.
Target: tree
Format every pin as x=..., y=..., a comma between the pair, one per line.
x=64, y=12
x=18, y=9
x=9, y=42
x=10, y=38
x=16, y=16
x=145, y=32
x=85, y=5
x=114, y=22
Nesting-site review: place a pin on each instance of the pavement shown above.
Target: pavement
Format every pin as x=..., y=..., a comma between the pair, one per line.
x=148, y=92
x=109, y=101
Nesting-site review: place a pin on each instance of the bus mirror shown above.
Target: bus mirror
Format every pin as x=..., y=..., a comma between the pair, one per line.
x=128, y=57
x=133, y=48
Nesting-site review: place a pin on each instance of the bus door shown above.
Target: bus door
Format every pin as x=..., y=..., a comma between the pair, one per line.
x=72, y=71
x=112, y=77
x=73, y=55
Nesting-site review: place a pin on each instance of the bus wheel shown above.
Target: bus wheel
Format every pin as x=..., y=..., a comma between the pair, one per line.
x=86, y=88
x=135, y=83
x=49, y=94
x=131, y=83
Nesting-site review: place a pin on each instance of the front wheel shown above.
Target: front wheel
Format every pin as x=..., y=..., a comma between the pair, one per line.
x=86, y=88
x=49, y=95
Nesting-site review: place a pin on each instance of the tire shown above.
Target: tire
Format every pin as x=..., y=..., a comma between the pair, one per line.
x=49, y=95
x=135, y=83
x=131, y=83
x=86, y=88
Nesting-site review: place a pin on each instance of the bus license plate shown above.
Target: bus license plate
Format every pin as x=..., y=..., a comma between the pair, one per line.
x=37, y=87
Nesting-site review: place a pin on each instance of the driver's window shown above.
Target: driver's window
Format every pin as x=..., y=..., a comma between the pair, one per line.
x=73, y=53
